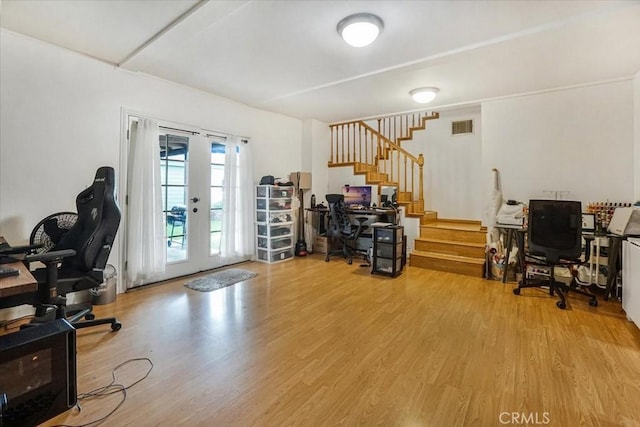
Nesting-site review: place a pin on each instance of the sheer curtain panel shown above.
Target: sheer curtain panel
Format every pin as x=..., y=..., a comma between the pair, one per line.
x=237, y=212
x=146, y=243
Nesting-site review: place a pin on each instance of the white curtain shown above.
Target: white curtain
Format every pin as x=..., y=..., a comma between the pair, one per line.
x=237, y=211
x=146, y=244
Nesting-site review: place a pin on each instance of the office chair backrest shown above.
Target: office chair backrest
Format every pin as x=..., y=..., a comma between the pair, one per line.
x=339, y=222
x=98, y=219
x=555, y=229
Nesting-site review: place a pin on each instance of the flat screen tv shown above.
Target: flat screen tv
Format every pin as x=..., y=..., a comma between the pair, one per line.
x=357, y=195
x=555, y=228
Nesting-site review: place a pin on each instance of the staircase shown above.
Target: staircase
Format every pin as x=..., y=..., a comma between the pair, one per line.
x=378, y=154
x=374, y=149
x=455, y=246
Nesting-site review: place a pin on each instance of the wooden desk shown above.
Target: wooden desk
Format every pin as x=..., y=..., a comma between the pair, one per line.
x=20, y=284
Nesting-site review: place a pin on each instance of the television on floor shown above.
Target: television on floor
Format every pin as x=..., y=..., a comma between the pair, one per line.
x=37, y=373
x=355, y=195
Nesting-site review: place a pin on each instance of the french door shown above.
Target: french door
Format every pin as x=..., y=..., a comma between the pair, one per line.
x=192, y=172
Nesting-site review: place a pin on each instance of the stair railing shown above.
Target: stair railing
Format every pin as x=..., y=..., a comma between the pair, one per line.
x=401, y=127
x=358, y=143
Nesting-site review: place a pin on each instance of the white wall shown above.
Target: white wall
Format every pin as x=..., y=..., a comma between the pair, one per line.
x=451, y=165
x=60, y=115
x=577, y=140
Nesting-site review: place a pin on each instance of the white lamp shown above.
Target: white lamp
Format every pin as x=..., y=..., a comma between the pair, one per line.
x=360, y=29
x=424, y=95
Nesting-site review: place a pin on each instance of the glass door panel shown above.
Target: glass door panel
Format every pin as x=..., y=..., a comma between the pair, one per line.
x=174, y=168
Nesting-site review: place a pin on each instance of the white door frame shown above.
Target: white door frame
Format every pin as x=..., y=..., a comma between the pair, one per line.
x=207, y=262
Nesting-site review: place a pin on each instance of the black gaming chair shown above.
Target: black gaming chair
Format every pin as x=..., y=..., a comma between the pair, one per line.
x=341, y=227
x=77, y=262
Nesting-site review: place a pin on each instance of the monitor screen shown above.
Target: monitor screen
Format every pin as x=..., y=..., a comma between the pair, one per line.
x=357, y=195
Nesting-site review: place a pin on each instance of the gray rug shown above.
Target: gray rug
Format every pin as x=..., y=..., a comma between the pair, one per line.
x=220, y=279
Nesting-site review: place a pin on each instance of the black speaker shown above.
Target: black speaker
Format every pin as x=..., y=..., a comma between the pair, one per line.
x=37, y=373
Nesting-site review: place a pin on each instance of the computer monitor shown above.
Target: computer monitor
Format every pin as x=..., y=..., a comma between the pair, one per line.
x=357, y=195
x=555, y=228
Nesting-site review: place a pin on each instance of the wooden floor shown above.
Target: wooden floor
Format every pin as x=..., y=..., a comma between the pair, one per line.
x=309, y=343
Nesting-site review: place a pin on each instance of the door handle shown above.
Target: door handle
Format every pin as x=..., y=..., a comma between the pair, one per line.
x=195, y=200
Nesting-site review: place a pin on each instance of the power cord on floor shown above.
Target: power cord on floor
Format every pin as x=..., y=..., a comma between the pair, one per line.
x=110, y=389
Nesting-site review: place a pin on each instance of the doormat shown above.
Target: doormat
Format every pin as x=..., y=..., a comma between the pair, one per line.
x=220, y=279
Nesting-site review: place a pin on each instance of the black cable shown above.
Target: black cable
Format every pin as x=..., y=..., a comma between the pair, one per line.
x=110, y=389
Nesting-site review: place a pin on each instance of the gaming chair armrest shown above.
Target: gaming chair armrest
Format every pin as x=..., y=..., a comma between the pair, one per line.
x=53, y=256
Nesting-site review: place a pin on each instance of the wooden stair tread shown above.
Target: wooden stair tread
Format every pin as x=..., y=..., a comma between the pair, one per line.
x=451, y=242
x=452, y=226
x=457, y=258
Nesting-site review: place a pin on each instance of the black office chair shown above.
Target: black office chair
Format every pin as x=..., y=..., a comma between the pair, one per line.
x=341, y=227
x=77, y=262
x=554, y=238
x=177, y=217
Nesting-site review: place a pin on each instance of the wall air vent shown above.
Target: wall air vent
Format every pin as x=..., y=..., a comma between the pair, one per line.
x=461, y=127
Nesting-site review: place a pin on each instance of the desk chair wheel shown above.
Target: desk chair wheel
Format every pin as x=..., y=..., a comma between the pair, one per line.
x=516, y=291
x=561, y=304
x=593, y=302
x=116, y=326
x=89, y=316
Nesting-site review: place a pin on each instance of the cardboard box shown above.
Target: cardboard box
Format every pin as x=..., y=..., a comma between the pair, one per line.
x=320, y=245
x=302, y=180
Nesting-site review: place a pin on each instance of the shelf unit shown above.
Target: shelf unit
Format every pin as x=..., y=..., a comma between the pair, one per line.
x=274, y=223
x=387, y=250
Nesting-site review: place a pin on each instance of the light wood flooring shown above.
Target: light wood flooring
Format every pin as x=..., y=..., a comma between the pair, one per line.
x=309, y=343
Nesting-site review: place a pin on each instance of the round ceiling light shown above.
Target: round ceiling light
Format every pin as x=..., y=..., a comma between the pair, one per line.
x=360, y=29
x=424, y=95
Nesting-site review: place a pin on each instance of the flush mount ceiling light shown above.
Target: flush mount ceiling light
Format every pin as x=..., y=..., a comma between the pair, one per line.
x=424, y=94
x=360, y=29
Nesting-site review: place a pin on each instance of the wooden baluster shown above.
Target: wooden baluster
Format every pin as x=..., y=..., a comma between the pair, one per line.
x=366, y=144
x=342, y=127
x=421, y=180
x=331, y=147
x=363, y=159
x=406, y=181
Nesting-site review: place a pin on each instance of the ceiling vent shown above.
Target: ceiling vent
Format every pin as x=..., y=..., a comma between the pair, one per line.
x=461, y=127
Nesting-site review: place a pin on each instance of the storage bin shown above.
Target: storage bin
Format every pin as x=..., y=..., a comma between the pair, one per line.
x=386, y=251
x=281, y=255
x=386, y=234
x=284, y=242
x=106, y=292
x=386, y=265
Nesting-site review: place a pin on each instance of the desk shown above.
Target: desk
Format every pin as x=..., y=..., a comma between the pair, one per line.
x=388, y=215
x=24, y=283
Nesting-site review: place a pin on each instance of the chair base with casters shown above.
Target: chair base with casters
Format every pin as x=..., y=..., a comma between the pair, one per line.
x=66, y=281
x=348, y=241
x=556, y=287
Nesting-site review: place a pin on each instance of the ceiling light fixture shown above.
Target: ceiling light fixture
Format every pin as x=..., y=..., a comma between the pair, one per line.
x=424, y=95
x=360, y=29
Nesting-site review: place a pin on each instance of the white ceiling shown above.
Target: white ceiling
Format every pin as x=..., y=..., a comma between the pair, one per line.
x=286, y=56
